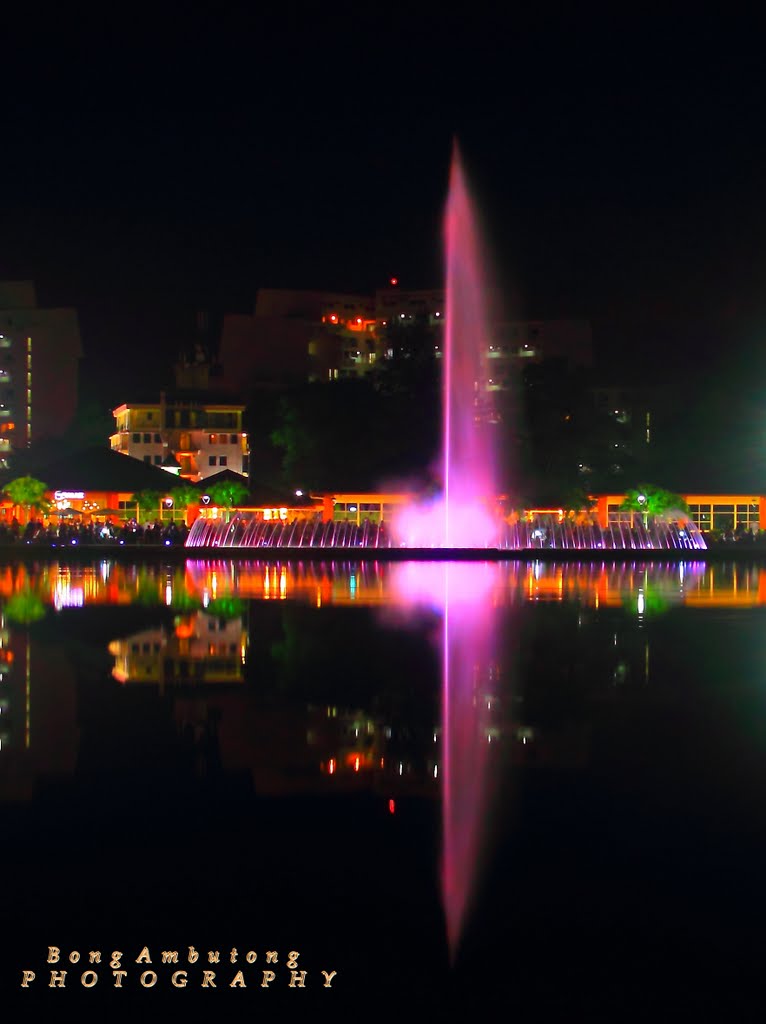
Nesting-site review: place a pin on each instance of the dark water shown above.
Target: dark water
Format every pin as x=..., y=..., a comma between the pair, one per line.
x=256, y=757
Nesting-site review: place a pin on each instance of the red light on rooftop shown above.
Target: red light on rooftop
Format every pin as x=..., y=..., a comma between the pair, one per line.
x=394, y=281
x=334, y=318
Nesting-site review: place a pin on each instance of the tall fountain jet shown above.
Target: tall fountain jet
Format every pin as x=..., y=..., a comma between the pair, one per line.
x=469, y=458
x=462, y=517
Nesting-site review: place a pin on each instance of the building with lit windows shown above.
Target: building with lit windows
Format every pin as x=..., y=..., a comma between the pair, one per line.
x=40, y=350
x=192, y=436
x=394, y=303
x=96, y=484
x=294, y=336
x=710, y=512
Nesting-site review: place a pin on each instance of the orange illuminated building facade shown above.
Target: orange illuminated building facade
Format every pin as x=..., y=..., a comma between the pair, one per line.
x=710, y=512
x=358, y=507
x=98, y=484
x=83, y=506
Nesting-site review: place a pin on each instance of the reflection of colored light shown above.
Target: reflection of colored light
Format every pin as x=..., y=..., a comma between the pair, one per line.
x=331, y=766
x=356, y=761
x=463, y=592
x=391, y=806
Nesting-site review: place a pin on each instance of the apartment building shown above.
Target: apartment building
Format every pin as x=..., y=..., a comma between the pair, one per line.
x=40, y=350
x=192, y=436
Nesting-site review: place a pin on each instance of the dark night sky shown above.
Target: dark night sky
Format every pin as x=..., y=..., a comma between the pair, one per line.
x=153, y=166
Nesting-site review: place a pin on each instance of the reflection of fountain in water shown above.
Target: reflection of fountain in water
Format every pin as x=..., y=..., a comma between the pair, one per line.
x=463, y=593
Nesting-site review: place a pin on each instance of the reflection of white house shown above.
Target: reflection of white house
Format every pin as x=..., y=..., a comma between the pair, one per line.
x=201, y=649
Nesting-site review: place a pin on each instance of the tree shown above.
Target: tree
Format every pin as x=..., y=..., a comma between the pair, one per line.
x=352, y=434
x=227, y=493
x=652, y=501
x=184, y=495
x=578, y=505
x=300, y=442
x=29, y=493
x=147, y=501
x=24, y=607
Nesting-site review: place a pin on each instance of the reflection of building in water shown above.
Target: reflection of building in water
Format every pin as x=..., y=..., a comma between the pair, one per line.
x=6, y=686
x=319, y=583
x=203, y=582
x=395, y=755
x=201, y=649
x=346, y=741
x=592, y=584
x=39, y=734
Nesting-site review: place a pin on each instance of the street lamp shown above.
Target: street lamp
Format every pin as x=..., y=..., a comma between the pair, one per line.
x=641, y=499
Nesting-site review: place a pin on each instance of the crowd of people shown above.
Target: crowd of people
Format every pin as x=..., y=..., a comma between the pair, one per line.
x=52, y=534
x=742, y=536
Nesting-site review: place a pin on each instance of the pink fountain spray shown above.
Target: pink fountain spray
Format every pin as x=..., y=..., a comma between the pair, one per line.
x=463, y=516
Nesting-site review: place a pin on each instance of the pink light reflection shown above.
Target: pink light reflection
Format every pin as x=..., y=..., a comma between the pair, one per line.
x=464, y=594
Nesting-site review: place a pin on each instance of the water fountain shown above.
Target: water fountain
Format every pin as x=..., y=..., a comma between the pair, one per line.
x=465, y=516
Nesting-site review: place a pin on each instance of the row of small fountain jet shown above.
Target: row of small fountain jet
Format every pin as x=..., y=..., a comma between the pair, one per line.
x=245, y=531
